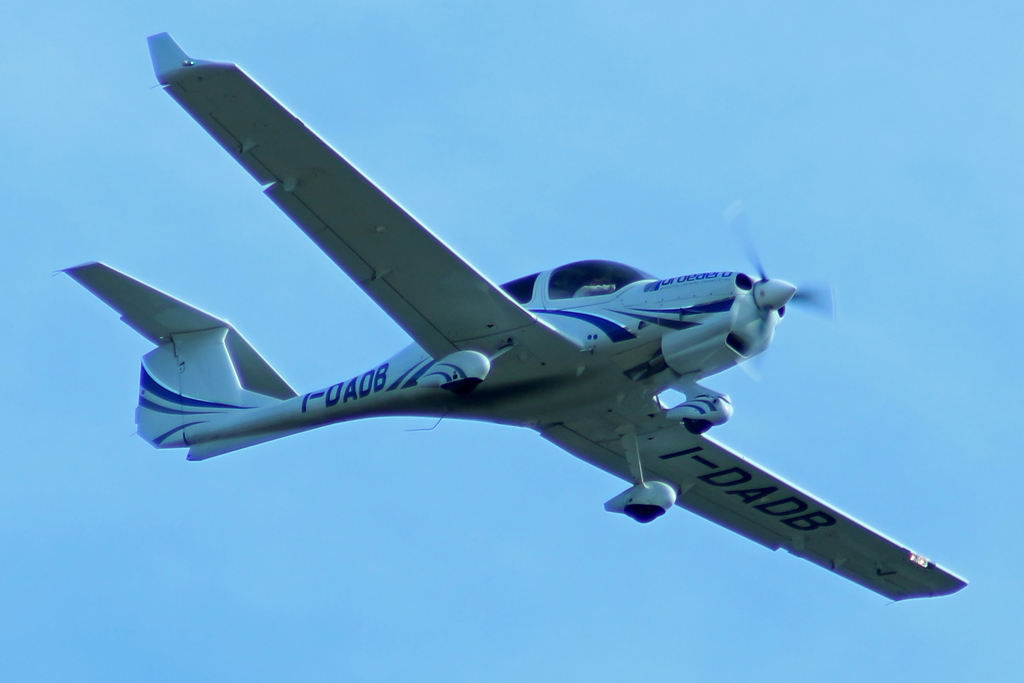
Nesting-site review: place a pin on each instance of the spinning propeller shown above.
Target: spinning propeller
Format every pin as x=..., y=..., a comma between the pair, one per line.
x=775, y=295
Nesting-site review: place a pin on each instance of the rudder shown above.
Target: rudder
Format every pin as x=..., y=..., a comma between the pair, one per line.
x=187, y=381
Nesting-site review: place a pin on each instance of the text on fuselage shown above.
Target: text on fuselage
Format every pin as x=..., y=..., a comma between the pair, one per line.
x=358, y=387
x=655, y=286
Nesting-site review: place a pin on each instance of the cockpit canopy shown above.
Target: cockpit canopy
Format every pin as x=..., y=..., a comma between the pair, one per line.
x=577, y=280
x=522, y=289
x=591, y=278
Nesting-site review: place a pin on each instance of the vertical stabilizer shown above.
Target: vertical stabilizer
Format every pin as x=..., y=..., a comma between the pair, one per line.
x=188, y=381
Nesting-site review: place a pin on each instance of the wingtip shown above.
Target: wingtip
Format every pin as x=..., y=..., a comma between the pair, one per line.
x=88, y=265
x=167, y=56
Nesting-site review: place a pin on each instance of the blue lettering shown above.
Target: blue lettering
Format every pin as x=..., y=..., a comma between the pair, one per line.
x=655, y=286
x=381, y=379
x=309, y=396
x=333, y=400
x=366, y=384
x=350, y=391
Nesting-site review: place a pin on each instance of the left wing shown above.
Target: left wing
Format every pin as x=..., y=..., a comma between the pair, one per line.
x=726, y=488
x=432, y=293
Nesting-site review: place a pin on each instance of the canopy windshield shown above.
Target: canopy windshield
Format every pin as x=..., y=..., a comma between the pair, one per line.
x=522, y=289
x=592, y=278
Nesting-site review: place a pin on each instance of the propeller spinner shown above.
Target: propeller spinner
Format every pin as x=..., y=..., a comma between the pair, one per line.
x=774, y=295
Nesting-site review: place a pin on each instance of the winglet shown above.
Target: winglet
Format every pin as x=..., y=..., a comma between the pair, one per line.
x=167, y=57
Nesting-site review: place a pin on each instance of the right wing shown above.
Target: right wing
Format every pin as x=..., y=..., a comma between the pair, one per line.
x=726, y=488
x=440, y=300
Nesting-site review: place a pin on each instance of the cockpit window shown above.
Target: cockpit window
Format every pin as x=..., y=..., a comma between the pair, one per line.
x=591, y=278
x=522, y=289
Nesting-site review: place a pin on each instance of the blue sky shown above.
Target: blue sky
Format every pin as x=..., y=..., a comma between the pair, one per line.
x=876, y=147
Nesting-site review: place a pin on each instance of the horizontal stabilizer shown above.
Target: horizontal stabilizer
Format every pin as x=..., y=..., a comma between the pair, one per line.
x=156, y=316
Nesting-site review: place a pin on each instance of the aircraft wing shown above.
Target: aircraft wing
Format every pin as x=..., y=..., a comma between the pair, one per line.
x=433, y=294
x=721, y=485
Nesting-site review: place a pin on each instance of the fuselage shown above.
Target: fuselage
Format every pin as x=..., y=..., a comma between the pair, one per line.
x=637, y=337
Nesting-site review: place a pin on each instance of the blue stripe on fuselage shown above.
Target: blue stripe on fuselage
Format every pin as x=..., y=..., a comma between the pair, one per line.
x=159, y=390
x=615, y=331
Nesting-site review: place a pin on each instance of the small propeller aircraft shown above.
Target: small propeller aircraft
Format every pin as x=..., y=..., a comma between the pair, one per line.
x=580, y=353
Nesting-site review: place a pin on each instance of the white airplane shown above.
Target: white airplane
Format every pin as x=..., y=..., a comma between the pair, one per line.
x=580, y=353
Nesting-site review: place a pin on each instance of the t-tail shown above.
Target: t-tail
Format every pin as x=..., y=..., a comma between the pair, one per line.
x=202, y=369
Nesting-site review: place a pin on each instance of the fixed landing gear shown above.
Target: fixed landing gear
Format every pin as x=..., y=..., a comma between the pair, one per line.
x=696, y=426
x=645, y=501
x=702, y=410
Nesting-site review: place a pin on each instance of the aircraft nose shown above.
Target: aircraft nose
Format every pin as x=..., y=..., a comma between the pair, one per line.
x=771, y=295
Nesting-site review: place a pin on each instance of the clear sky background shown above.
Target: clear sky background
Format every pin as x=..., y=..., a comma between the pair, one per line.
x=876, y=147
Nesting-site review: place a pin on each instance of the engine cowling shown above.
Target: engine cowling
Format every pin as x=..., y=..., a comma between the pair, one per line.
x=460, y=372
x=644, y=502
